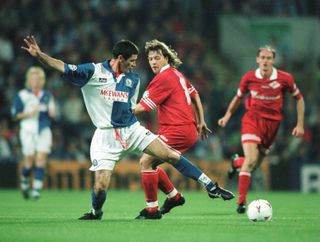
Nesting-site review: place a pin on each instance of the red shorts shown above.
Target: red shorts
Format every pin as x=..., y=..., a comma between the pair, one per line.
x=256, y=129
x=180, y=137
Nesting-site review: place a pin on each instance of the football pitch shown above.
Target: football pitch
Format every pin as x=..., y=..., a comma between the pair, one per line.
x=296, y=217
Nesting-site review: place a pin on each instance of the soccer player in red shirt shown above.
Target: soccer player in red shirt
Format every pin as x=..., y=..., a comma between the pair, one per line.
x=265, y=87
x=173, y=95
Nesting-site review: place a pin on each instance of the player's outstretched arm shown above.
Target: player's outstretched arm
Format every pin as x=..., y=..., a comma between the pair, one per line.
x=34, y=50
x=234, y=104
x=138, y=109
x=298, y=131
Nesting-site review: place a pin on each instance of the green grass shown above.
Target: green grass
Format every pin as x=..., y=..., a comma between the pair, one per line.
x=296, y=217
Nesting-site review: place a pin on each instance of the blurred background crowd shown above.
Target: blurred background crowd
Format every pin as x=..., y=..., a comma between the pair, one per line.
x=81, y=31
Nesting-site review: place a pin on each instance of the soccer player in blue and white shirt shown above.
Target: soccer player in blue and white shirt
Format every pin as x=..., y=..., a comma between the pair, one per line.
x=110, y=90
x=34, y=107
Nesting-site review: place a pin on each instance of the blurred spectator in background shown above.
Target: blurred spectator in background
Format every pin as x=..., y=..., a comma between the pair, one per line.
x=34, y=107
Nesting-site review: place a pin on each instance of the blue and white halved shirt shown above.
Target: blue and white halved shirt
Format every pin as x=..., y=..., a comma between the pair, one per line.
x=109, y=99
x=27, y=101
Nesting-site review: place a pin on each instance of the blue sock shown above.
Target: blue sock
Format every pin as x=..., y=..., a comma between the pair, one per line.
x=38, y=180
x=25, y=181
x=26, y=172
x=39, y=173
x=98, y=200
x=188, y=169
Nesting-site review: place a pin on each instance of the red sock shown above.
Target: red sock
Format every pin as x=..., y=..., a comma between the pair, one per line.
x=237, y=163
x=165, y=184
x=176, y=197
x=244, y=182
x=150, y=186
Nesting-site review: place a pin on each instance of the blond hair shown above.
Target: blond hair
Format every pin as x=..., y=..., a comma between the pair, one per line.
x=35, y=70
x=268, y=48
x=171, y=54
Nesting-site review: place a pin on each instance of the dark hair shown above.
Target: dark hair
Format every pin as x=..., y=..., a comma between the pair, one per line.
x=126, y=48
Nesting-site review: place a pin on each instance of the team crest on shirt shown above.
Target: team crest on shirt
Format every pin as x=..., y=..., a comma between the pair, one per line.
x=274, y=84
x=72, y=67
x=128, y=82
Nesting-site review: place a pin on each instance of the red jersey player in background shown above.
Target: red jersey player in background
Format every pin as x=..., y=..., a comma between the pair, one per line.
x=179, y=126
x=266, y=87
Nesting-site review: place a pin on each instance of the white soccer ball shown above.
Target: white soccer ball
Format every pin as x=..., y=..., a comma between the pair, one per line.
x=259, y=211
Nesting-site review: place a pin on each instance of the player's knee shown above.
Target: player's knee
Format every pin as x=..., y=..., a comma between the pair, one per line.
x=251, y=164
x=145, y=164
x=172, y=157
x=101, y=181
x=100, y=186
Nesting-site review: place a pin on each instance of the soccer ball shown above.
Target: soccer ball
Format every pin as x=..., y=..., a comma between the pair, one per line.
x=259, y=211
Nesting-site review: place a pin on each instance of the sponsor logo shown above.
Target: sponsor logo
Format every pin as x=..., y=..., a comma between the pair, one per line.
x=254, y=94
x=265, y=87
x=72, y=67
x=101, y=79
x=112, y=95
x=94, y=162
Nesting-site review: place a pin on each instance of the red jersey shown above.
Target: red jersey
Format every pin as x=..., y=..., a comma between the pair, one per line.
x=266, y=94
x=170, y=91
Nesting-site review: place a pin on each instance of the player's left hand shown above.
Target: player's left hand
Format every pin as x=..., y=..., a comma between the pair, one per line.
x=203, y=131
x=298, y=131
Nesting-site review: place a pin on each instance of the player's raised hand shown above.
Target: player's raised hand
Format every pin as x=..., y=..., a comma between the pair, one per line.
x=298, y=131
x=31, y=46
x=223, y=121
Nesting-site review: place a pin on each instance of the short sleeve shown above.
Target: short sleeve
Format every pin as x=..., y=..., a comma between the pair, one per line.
x=191, y=90
x=17, y=106
x=292, y=88
x=243, y=86
x=78, y=75
x=157, y=91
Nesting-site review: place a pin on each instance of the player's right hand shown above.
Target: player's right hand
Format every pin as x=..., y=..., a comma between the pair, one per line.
x=222, y=122
x=31, y=46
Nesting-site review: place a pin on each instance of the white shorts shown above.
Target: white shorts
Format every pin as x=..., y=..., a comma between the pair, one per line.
x=108, y=146
x=33, y=142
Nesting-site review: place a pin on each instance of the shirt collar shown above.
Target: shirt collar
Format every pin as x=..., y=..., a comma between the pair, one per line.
x=106, y=64
x=274, y=74
x=164, y=67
